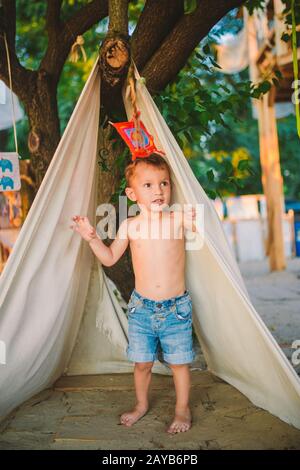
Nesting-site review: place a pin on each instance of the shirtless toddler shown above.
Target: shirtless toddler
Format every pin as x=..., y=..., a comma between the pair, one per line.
x=160, y=306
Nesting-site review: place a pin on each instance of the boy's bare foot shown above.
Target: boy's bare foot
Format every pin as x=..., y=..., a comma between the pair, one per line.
x=181, y=422
x=130, y=417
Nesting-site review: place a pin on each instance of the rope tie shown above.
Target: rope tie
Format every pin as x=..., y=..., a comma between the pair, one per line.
x=76, y=47
x=136, y=113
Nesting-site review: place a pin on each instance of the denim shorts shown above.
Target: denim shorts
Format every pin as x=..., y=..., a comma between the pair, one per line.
x=156, y=326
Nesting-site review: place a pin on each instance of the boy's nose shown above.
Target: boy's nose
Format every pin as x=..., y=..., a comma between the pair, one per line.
x=158, y=191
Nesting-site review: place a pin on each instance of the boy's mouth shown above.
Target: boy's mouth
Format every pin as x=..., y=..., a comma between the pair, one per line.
x=158, y=201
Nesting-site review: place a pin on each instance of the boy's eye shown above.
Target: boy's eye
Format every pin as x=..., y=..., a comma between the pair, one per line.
x=147, y=185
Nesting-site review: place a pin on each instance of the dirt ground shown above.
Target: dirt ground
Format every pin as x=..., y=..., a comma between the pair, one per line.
x=83, y=412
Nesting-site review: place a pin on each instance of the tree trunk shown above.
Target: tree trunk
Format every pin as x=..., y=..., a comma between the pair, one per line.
x=109, y=180
x=41, y=108
x=115, y=59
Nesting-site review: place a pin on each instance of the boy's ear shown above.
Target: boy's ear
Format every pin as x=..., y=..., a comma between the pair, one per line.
x=130, y=194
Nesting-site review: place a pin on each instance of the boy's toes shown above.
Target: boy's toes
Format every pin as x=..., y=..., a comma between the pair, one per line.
x=124, y=419
x=130, y=418
x=180, y=424
x=126, y=422
x=184, y=427
x=173, y=428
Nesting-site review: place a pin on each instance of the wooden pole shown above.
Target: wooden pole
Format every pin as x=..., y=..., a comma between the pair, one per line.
x=272, y=181
x=269, y=157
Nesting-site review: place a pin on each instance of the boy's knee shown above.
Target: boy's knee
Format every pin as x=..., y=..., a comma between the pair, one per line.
x=179, y=366
x=144, y=366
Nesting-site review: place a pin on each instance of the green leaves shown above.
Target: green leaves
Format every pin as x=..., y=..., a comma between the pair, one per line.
x=291, y=15
x=251, y=5
x=206, y=49
x=285, y=37
x=189, y=6
x=295, y=65
x=212, y=194
x=214, y=63
x=261, y=89
x=210, y=175
x=256, y=90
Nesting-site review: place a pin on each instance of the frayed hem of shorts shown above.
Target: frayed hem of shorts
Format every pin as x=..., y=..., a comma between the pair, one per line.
x=179, y=358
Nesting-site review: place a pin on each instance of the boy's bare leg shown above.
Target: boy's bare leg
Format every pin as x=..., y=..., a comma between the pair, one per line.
x=142, y=379
x=183, y=418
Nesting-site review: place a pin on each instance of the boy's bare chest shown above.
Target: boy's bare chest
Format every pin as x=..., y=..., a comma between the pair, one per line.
x=166, y=231
x=158, y=243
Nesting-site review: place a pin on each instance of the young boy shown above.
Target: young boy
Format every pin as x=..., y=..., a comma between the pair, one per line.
x=160, y=306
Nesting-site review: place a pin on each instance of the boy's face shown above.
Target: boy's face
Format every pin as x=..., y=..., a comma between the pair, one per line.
x=151, y=187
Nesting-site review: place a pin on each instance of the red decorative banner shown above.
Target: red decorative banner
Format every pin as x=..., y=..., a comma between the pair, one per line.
x=139, y=140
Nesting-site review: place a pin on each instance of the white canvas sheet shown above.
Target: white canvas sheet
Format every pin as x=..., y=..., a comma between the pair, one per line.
x=45, y=310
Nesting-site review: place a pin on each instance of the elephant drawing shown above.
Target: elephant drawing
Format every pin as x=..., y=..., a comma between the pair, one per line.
x=6, y=181
x=6, y=164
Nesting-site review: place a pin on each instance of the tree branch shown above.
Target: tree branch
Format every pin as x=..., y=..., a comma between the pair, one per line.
x=20, y=75
x=59, y=45
x=53, y=16
x=172, y=55
x=9, y=20
x=155, y=23
x=118, y=17
x=85, y=18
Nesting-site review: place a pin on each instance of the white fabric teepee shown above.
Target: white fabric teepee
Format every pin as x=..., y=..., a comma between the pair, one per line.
x=6, y=112
x=51, y=291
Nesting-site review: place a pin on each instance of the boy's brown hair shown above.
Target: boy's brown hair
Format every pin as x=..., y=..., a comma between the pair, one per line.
x=154, y=159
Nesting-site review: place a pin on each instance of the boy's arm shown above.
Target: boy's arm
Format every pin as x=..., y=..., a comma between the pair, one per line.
x=109, y=255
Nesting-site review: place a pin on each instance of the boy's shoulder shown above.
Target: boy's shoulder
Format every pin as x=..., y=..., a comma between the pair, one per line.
x=126, y=224
x=131, y=220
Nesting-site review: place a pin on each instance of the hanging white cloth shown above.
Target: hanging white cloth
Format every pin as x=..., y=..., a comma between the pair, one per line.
x=51, y=292
x=233, y=54
x=6, y=113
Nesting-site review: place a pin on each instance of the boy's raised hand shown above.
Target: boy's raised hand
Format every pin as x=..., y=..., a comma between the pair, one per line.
x=83, y=227
x=189, y=218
